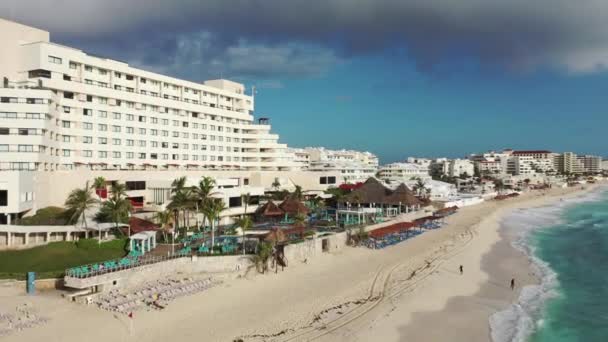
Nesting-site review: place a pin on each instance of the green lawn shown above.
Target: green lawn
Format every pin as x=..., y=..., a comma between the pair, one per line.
x=50, y=261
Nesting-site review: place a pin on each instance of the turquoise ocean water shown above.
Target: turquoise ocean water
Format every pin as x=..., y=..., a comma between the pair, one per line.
x=568, y=244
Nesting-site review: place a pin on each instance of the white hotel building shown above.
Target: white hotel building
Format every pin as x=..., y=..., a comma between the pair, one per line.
x=67, y=117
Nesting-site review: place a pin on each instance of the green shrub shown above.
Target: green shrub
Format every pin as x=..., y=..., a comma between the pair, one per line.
x=49, y=216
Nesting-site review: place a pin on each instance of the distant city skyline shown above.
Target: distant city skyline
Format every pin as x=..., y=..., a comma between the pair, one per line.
x=378, y=79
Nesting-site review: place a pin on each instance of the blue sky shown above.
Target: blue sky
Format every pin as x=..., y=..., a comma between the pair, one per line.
x=397, y=78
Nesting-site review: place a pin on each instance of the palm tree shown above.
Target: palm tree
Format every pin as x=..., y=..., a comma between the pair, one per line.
x=117, y=209
x=245, y=223
x=213, y=208
x=165, y=220
x=276, y=184
x=99, y=183
x=181, y=199
x=299, y=220
x=297, y=193
x=78, y=202
x=419, y=186
x=118, y=190
x=203, y=193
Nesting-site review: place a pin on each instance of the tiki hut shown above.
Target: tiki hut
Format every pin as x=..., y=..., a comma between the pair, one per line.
x=403, y=195
x=269, y=211
x=292, y=207
x=372, y=191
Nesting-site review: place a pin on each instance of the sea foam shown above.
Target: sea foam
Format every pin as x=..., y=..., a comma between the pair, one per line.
x=518, y=321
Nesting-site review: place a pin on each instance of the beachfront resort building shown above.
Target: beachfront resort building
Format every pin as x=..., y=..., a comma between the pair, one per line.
x=568, y=163
x=353, y=166
x=591, y=164
x=67, y=117
x=490, y=163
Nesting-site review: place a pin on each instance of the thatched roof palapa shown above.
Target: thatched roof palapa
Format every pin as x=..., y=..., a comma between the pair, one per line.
x=404, y=195
x=292, y=206
x=269, y=209
x=372, y=191
x=276, y=235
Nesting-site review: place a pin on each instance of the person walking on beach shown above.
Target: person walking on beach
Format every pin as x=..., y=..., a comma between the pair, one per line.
x=461, y=270
x=512, y=284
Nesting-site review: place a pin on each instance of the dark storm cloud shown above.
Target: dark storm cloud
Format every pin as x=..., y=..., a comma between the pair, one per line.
x=306, y=37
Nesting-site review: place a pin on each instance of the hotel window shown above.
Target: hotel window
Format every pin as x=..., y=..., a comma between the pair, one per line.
x=116, y=129
x=175, y=145
x=142, y=156
x=116, y=116
x=185, y=135
x=102, y=141
x=153, y=132
x=73, y=65
x=66, y=138
x=102, y=127
x=130, y=117
x=87, y=153
x=130, y=130
x=88, y=81
x=88, y=68
x=165, y=122
x=164, y=144
x=54, y=60
x=68, y=95
x=142, y=143
x=87, y=112
x=194, y=135
x=102, y=154
x=87, y=140
x=176, y=134
x=165, y=133
x=142, y=118
x=175, y=156
x=130, y=104
x=66, y=153
x=130, y=155
x=184, y=157
x=175, y=123
x=103, y=114
x=102, y=71
x=165, y=156
x=129, y=77
x=117, y=74
x=4, y=148
x=204, y=158
x=67, y=78
x=155, y=144
x=89, y=98
x=25, y=148
x=142, y=80
x=153, y=156
x=103, y=100
x=130, y=142
x=184, y=124
x=142, y=131
x=154, y=120
x=185, y=146
x=115, y=141
x=116, y=154
x=65, y=124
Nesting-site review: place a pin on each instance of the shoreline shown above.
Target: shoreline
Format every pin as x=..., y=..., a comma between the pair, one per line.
x=355, y=294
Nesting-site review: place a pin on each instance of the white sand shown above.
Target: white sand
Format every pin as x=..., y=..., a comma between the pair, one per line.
x=289, y=301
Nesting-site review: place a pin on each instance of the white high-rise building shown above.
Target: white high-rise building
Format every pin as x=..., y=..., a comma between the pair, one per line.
x=66, y=115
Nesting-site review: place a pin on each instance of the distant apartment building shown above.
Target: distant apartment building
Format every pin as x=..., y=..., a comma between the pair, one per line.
x=591, y=164
x=490, y=163
x=530, y=162
x=403, y=171
x=353, y=166
x=568, y=162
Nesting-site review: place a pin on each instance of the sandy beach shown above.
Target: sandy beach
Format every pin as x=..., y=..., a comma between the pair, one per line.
x=412, y=291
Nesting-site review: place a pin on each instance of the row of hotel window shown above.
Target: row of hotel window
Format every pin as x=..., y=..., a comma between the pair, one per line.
x=154, y=108
x=103, y=72
x=154, y=120
x=118, y=154
x=153, y=132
